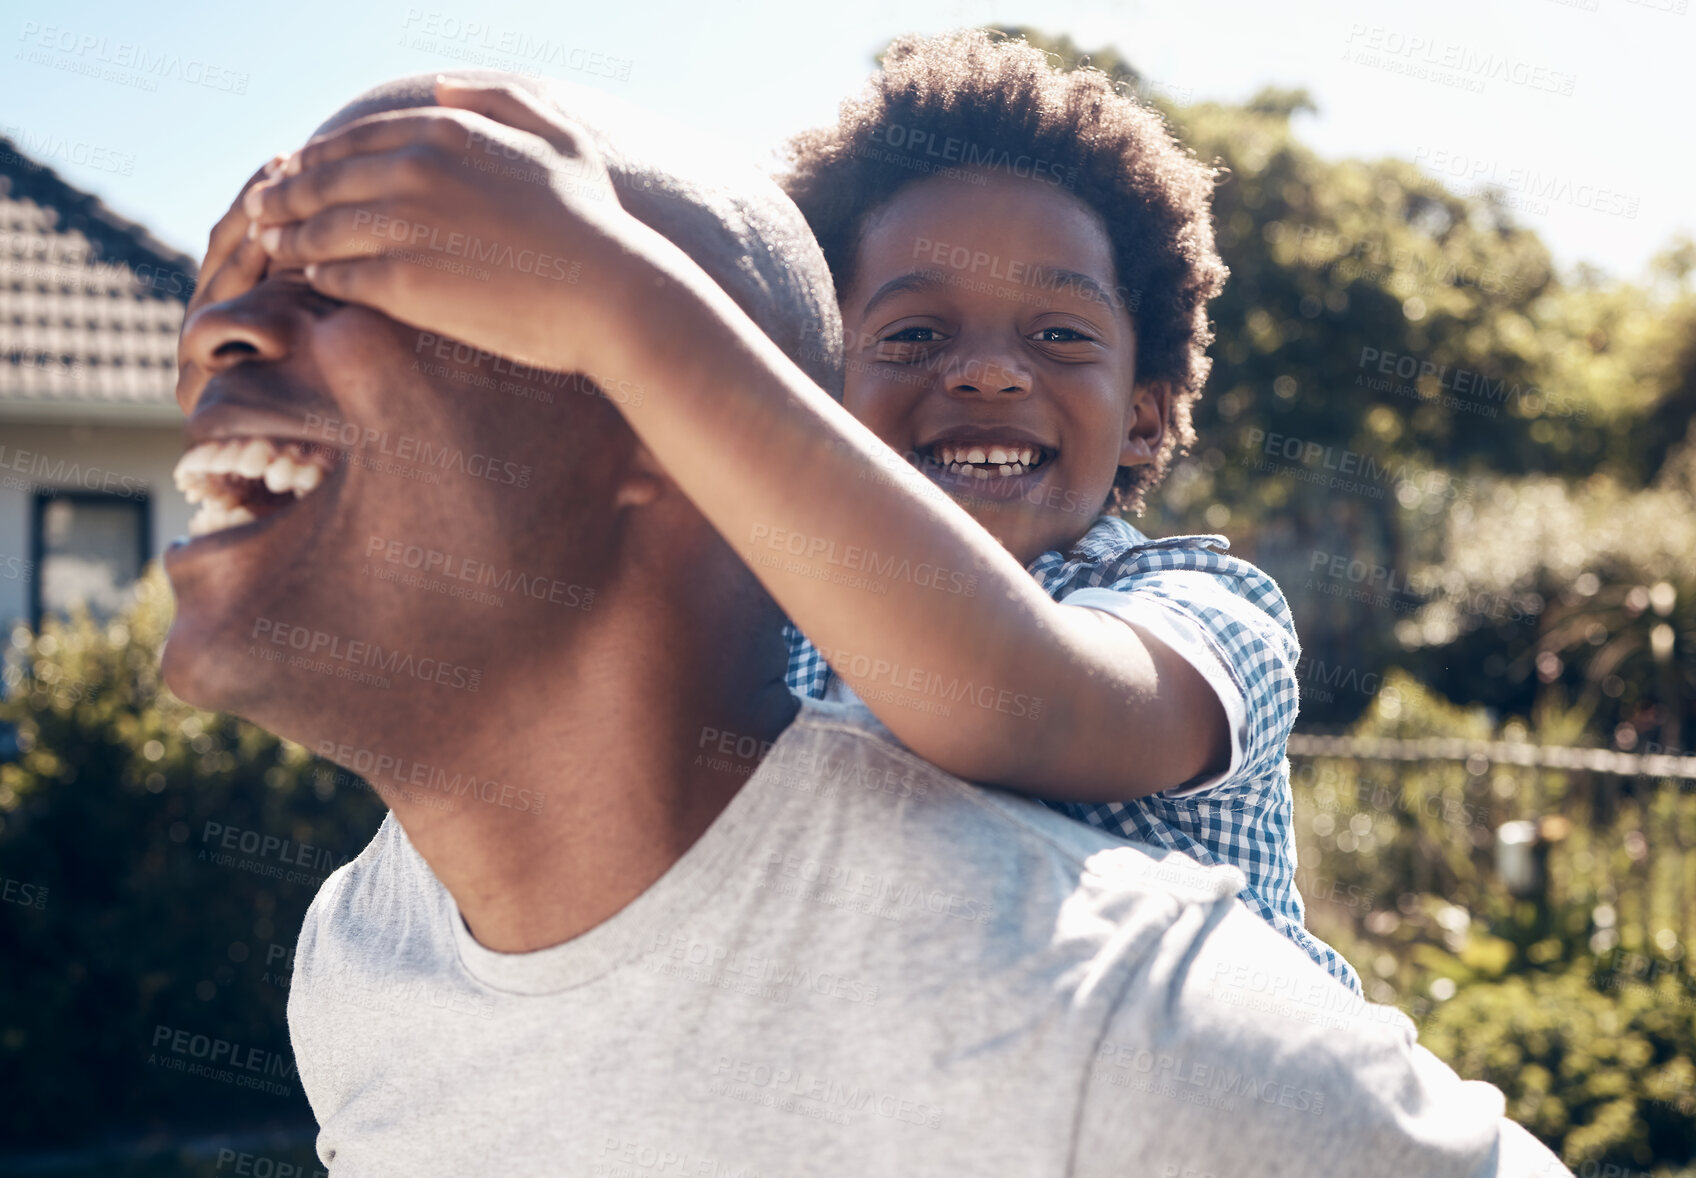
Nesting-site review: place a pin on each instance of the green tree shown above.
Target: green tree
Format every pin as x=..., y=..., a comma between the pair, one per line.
x=1388, y=352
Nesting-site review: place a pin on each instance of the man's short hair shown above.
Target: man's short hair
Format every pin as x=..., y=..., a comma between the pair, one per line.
x=735, y=222
x=979, y=102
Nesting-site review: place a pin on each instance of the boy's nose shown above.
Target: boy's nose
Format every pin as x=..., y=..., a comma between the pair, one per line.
x=992, y=377
x=254, y=327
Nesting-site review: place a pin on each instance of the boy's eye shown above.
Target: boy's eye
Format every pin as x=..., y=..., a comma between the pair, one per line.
x=1061, y=335
x=909, y=345
x=912, y=335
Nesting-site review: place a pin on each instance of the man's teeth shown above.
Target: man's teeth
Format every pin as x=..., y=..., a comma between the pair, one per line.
x=212, y=474
x=985, y=461
x=213, y=518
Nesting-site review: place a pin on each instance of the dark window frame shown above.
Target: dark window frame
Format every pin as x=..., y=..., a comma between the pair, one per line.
x=37, y=533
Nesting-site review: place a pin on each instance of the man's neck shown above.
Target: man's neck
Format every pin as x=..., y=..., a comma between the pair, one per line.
x=618, y=787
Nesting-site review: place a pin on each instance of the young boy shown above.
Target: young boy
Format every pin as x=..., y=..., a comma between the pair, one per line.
x=1023, y=260
x=966, y=111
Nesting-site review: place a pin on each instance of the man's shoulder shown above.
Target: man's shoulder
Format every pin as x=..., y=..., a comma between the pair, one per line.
x=363, y=896
x=940, y=825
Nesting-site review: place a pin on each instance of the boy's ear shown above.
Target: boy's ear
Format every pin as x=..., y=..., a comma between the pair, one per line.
x=1145, y=428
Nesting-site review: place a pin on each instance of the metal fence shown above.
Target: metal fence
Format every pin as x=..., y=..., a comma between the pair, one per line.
x=1488, y=824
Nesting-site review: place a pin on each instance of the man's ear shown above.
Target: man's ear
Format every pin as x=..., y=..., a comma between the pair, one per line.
x=642, y=481
x=1145, y=429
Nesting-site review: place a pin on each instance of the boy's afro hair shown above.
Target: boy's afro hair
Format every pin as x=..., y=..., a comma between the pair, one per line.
x=1005, y=106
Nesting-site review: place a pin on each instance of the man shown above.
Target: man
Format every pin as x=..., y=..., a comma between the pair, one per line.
x=631, y=913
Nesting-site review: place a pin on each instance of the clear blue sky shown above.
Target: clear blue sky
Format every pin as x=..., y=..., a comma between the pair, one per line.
x=1472, y=88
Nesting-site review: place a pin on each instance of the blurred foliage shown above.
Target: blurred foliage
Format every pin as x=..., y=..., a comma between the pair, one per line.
x=1475, y=480
x=1606, y=1073
x=131, y=925
x=1579, y=1003
x=1392, y=358
x=1609, y=573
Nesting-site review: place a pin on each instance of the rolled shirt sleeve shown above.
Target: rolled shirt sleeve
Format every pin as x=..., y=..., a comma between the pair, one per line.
x=1232, y=625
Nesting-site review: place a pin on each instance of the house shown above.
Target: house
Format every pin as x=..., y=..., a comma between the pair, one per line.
x=90, y=308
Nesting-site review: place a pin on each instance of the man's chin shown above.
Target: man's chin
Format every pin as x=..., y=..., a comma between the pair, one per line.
x=203, y=672
x=210, y=659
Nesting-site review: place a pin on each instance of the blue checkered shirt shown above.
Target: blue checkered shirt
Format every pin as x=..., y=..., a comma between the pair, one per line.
x=1245, y=818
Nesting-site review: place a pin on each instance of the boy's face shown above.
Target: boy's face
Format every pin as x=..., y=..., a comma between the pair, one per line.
x=987, y=340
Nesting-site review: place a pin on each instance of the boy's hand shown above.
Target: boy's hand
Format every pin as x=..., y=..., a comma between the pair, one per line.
x=234, y=262
x=487, y=219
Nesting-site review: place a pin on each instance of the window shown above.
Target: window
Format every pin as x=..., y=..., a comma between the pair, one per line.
x=90, y=550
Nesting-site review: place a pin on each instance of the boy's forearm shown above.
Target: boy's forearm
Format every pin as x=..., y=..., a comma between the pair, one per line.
x=805, y=494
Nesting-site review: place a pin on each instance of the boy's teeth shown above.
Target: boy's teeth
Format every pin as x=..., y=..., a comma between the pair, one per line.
x=980, y=462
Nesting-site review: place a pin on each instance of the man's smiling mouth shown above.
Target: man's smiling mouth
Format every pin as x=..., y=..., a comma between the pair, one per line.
x=240, y=480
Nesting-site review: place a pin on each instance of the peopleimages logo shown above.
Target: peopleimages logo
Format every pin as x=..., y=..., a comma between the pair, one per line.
x=49, y=471
x=438, y=568
x=1466, y=384
x=870, y=673
x=123, y=61
x=477, y=42
x=57, y=254
x=286, y=852
x=913, y=141
x=417, y=235
x=853, y=558
x=320, y=645
x=257, y=1165
x=1192, y=1080
x=1019, y=272
x=385, y=768
x=1353, y=471
x=212, y=1058
x=414, y=450
x=40, y=145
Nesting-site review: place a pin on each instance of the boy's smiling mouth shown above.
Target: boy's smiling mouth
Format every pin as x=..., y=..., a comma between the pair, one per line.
x=981, y=455
x=987, y=460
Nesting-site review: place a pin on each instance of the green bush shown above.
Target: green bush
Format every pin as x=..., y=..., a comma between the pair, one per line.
x=1580, y=1007
x=1596, y=1063
x=136, y=915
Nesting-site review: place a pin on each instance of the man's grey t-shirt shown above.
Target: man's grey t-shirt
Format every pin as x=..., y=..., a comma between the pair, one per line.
x=866, y=967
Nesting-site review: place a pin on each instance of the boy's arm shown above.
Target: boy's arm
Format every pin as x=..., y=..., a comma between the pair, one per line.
x=964, y=658
x=996, y=684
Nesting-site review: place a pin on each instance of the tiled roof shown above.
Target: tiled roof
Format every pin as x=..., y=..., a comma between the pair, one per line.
x=90, y=303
